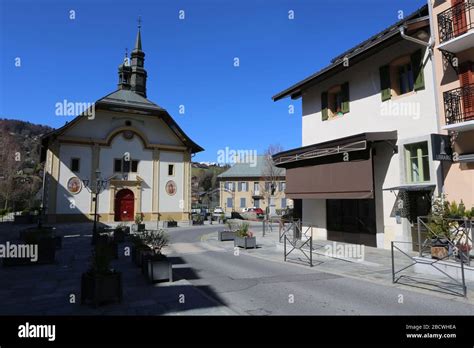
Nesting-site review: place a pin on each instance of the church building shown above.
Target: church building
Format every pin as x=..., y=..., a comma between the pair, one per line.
x=126, y=147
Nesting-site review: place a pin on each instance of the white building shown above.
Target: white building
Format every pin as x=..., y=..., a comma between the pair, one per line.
x=365, y=169
x=133, y=145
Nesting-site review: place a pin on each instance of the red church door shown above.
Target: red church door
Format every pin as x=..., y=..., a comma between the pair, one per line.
x=124, y=205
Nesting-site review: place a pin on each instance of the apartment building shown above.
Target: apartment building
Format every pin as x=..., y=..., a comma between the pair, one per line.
x=246, y=185
x=367, y=166
x=453, y=29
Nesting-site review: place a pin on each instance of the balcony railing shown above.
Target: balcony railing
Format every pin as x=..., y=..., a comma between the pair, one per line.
x=456, y=21
x=459, y=104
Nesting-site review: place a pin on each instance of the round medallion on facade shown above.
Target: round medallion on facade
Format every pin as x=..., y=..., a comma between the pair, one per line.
x=74, y=185
x=170, y=187
x=128, y=134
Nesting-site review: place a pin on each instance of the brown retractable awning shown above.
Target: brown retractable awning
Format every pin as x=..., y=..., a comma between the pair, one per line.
x=331, y=181
x=320, y=172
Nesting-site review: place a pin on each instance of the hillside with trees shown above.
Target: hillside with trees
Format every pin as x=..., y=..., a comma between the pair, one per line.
x=20, y=169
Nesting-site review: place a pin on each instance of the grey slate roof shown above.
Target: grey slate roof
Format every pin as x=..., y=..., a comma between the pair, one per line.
x=130, y=99
x=243, y=170
x=295, y=90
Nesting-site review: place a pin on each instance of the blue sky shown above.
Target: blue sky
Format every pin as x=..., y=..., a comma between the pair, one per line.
x=190, y=62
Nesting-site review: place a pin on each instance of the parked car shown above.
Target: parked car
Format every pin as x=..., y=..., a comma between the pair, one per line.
x=217, y=213
x=253, y=213
x=258, y=211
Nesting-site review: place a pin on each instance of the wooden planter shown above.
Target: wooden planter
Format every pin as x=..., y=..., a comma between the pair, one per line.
x=24, y=219
x=245, y=242
x=226, y=235
x=138, y=253
x=157, y=268
x=168, y=224
x=439, y=249
x=98, y=289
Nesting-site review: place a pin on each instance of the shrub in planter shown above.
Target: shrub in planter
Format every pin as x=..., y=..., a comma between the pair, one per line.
x=34, y=234
x=157, y=266
x=198, y=220
x=170, y=223
x=227, y=234
x=244, y=238
x=101, y=284
x=463, y=252
x=139, y=222
x=139, y=249
x=109, y=244
x=23, y=219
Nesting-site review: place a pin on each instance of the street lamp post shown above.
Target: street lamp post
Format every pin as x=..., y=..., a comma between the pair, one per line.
x=97, y=186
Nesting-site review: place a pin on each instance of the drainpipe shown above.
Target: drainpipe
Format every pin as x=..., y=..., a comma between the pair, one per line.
x=428, y=44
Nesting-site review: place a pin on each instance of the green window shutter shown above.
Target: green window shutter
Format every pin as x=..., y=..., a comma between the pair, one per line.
x=324, y=106
x=385, y=85
x=345, y=100
x=417, y=66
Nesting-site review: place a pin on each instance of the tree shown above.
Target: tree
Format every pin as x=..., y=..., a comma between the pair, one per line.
x=10, y=158
x=271, y=174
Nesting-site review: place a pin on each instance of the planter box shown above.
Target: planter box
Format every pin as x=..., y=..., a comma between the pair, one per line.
x=168, y=224
x=439, y=252
x=98, y=289
x=158, y=268
x=226, y=235
x=24, y=219
x=198, y=222
x=141, y=227
x=46, y=255
x=246, y=242
x=138, y=253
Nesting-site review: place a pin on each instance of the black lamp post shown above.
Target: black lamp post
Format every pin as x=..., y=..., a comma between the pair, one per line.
x=97, y=187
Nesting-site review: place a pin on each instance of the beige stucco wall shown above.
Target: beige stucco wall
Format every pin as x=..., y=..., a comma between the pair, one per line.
x=249, y=202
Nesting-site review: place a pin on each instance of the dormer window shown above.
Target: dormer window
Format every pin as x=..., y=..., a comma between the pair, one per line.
x=403, y=75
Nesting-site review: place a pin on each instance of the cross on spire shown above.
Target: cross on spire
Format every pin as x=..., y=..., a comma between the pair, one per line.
x=138, y=41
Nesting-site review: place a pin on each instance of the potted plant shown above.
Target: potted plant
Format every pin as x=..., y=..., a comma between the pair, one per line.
x=101, y=284
x=439, y=228
x=463, y=249
x=245, y=238
x=198, y=220
x=227, y=234
x=157, y=266
x=139, y=222
x=170, y=223
x=139, y=249
x=40, y=233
